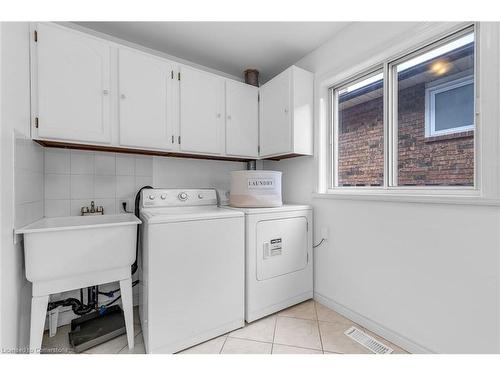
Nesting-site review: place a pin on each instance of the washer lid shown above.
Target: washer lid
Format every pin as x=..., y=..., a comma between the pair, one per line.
x=179, y=214
x=266, y=210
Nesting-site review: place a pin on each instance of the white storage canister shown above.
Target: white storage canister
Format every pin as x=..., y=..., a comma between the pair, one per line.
x=255, y=189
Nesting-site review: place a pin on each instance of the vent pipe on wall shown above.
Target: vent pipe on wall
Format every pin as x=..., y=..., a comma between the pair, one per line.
x=252, y=77
x=251, y=165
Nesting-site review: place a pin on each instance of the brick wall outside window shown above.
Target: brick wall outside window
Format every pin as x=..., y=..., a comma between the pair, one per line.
x=444, y=160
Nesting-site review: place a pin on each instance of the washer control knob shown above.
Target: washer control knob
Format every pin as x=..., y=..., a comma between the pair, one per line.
x=182, y=196
x=151, y=197
x=200, y=196
x=163, y=196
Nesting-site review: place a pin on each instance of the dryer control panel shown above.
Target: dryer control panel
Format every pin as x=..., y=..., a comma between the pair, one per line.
x=178, y=197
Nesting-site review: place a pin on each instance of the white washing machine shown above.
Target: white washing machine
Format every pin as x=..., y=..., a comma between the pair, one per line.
x=192, y=268
x=279, y=258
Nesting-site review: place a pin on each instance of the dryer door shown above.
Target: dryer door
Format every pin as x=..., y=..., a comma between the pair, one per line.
x=281, y=246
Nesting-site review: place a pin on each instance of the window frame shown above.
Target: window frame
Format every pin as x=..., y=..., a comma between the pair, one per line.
x=390, y=188
x=430, y=99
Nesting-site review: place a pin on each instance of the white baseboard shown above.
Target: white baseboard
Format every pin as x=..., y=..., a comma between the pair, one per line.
x=380, y=330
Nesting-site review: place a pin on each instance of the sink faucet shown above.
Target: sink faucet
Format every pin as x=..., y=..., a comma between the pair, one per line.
x=93, y=210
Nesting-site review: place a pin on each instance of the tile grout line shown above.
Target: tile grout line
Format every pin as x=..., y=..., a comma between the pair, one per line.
x=274, y=332
x=223, y=344
x=138, y=333
x=319, y=330
x=299, y=347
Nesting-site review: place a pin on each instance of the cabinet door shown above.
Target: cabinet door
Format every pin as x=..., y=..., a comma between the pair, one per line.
x=201, y=111
x=146, y=102
x=71, y=85
x=242, y=119
x=275, y=124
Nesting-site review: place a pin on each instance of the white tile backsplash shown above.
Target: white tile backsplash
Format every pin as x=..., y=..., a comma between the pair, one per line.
x=28, y=181
x=57, y=161
x=125, y=165
x=105, y=186
x=57, y=186
x=57, y=207
x=82, y=162
x=105, y=164
x=82, y=186
x=75, y=178
x=125, y=187
x=143, y=166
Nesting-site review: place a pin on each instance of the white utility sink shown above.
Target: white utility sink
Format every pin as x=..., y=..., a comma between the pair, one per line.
x=67, y=253
x=64, y=247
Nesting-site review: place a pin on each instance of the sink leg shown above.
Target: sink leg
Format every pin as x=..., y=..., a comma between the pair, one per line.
x=38, y=313
x=126, y=293
x=53, y=318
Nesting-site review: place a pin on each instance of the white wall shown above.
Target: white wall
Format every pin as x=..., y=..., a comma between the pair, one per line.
x=15, y=123
x=426, y=276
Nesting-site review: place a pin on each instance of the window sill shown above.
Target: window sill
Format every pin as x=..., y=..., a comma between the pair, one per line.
x=446, y=137
x=460, y=197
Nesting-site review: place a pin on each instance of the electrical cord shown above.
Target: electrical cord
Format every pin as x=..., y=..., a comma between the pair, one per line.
x=124, y=205
x=117, y=298
x=137, y=213
x=319, y=244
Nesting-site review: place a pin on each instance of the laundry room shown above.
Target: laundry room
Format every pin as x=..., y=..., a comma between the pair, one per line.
x=249, y=186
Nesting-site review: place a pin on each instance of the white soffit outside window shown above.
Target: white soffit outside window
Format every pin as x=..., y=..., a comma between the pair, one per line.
x=469, y=38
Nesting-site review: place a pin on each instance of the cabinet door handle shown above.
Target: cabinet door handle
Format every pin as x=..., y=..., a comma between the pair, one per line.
x=105, y=92
x=172, y=139
x=286, y=110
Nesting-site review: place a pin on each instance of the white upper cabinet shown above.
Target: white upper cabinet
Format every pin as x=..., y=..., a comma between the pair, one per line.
x=71, y=85
x=286, y=114
x=201, y=112
x=146, y=89
x=93, y=91
x=242, y=120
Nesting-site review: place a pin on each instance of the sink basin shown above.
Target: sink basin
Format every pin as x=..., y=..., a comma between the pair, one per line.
x=66, y=247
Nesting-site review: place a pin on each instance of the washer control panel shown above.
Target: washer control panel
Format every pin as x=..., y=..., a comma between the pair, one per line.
x=178, y=197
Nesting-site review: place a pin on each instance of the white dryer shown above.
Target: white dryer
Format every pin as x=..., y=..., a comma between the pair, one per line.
x=279, y=258
x=192, y=268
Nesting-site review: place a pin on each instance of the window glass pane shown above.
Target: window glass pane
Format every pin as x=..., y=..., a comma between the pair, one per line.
x=454, y=108
x=435, y=103
x=360, y=154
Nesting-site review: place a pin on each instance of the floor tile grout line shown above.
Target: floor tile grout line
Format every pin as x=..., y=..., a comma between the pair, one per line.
x=299, y=347
x=274, y=333
x=137, y=334
x=223, y=344
x=319, y=329
x=246, y=339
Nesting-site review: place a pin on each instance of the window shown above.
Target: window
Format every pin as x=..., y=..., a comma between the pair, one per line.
x=360, y=127
x=426, y=114
x=449, y=107
x=435, y=115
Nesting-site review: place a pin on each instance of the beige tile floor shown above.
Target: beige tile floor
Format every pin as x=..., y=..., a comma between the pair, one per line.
x=306, y=328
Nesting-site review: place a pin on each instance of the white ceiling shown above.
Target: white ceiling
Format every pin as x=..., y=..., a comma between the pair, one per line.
x=230, y=47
